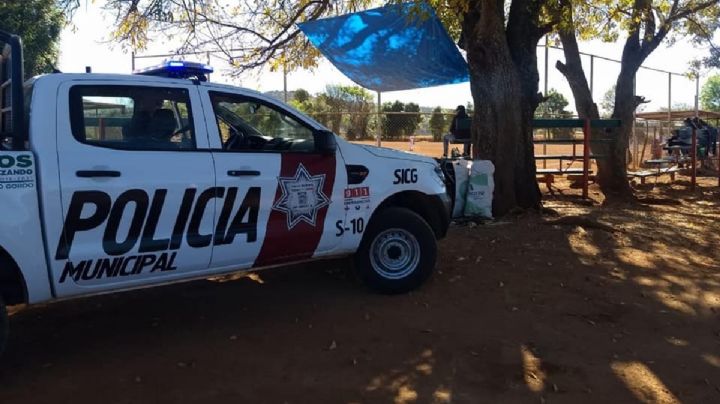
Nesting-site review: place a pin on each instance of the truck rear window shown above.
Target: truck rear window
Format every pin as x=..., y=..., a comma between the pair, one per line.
x=132, y=117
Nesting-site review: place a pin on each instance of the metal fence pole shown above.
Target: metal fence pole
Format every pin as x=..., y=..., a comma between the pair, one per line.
x=669, y=103
x=378, y=121
x=669, y=96
x=132, y=61
x=547, y=50
x=697, y=94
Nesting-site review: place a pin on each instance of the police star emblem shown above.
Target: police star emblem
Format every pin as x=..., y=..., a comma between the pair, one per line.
x=302, y=197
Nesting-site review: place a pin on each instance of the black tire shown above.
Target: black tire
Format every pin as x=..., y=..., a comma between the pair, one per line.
x=385, y=260
x=4, y=325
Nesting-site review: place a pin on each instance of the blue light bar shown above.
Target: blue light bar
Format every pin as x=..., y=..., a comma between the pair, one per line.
x=178, y=69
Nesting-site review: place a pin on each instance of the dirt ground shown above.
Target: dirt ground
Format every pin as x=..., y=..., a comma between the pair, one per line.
x=435, y=149
x=622, y=308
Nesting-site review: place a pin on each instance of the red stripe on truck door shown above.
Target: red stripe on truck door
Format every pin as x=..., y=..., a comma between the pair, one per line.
x=300, y=207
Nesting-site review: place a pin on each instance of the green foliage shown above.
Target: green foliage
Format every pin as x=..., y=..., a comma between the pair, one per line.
x=607, y=104
x=38, y=23
x=609, y=20
x=400, y=119
x=553, y=106
x=643, y=26
x=437, y=124
x=344, y=109
x=353, y=100
x=710, y=95
x=301, y=95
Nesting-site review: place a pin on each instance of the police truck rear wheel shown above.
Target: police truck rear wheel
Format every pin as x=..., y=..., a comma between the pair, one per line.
x=397, y=253
x=4, y=325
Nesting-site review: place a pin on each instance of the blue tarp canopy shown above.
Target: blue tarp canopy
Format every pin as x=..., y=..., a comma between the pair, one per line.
x=389, y=48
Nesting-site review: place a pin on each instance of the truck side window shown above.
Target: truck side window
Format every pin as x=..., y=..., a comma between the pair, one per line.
x=132, y=117
x=247, y=124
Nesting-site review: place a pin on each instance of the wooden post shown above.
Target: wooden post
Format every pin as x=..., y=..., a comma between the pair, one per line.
x=586, y=157
x=693, y=160
x=669, y=99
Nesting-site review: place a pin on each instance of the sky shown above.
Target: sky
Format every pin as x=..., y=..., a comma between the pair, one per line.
x=85, y=43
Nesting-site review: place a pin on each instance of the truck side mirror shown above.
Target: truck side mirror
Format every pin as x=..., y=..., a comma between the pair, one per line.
x=325, y=142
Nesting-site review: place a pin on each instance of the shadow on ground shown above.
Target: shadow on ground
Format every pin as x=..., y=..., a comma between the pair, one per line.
x=518, y=311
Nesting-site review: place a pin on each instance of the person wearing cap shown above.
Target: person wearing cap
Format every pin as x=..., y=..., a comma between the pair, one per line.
x=459, y=131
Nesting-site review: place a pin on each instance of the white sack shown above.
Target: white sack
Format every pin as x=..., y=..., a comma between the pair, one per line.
x=462, y=173
x=480, y=189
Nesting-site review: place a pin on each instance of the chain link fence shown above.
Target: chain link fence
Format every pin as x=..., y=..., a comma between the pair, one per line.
x=390, y=126
x=422, y=132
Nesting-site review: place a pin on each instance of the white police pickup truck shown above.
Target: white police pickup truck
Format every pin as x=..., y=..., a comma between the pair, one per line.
x=114, y=182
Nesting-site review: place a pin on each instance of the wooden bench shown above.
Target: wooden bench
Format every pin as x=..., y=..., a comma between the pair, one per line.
x=648, y=173
x=548, y=174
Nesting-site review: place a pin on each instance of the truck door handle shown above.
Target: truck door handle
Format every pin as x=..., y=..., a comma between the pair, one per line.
x=97, y=173
x=243, y=173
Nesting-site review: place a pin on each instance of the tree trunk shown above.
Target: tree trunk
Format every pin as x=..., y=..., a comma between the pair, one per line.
x=523, y=35
x=614, y=183
x=609, y=145
x=501, y=130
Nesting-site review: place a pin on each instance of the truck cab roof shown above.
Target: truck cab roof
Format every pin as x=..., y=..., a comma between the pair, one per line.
x=56, y=78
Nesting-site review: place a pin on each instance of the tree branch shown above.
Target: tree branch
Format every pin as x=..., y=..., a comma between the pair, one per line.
x=708, y=36
x=649, y=19
x=682, y=13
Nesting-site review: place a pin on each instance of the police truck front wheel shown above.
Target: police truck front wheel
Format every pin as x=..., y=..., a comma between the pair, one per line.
x=397, y=253
x=4, y=325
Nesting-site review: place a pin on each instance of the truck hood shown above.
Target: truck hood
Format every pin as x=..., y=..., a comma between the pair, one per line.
x=384, y=152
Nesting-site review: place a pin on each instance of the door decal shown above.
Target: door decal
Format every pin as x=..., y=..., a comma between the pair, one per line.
x=301, y=202
x=302, y=197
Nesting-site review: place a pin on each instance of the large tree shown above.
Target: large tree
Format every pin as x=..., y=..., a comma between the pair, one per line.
x=38, y=23
x=710, y=95
x=437, y=124
x=500, y=38
x=644, y=24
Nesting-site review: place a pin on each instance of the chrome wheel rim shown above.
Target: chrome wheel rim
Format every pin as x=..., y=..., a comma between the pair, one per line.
x=394, y=253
